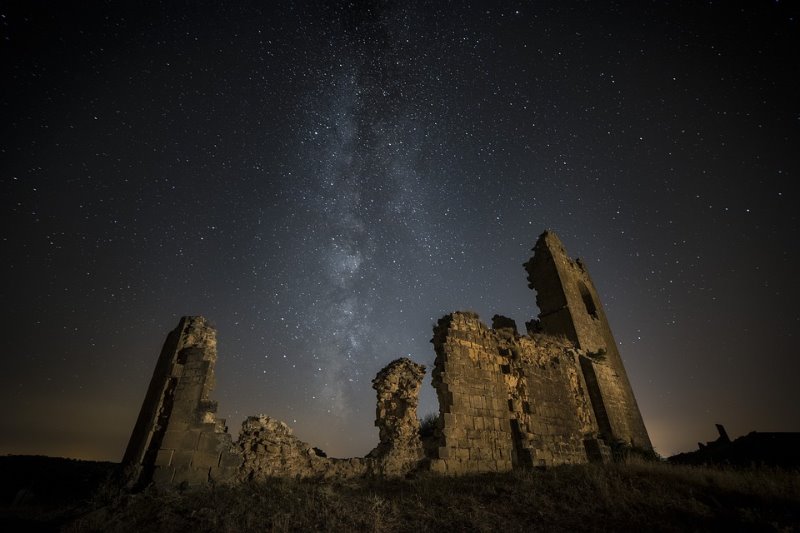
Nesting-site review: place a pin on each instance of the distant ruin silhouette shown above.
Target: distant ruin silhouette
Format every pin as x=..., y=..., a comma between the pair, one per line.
x=773, y=449
x=557, y=395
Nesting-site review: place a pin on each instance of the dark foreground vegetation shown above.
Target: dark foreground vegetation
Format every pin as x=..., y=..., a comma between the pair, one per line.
x=634, y=495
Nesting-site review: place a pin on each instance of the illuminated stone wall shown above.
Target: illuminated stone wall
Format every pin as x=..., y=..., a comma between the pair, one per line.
x=557, y=395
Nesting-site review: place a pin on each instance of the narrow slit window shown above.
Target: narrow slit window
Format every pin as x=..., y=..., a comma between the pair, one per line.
x=588, y=301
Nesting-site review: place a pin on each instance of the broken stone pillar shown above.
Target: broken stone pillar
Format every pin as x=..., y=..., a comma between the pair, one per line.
x=400, y=448
x=177, y=438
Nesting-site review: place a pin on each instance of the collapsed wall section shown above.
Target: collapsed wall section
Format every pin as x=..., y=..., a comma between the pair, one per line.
x=179, y=441
x=270, y=449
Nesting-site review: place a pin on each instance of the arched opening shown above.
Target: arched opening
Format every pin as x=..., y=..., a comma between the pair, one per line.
x=588, y=301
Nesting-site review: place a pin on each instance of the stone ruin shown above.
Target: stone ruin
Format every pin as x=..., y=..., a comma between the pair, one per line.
x=557, y=395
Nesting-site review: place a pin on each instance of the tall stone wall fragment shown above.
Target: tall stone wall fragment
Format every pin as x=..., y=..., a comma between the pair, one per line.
x=400, y=448
x=569, y=306
x=177, y=438
x=473, y=398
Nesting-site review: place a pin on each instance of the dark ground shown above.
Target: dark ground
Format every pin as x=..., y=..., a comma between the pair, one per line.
x=50, y=494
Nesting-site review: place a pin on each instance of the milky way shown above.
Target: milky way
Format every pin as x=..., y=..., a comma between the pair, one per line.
x=324, y=181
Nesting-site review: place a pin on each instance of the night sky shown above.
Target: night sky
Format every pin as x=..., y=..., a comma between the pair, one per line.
x=324, y=181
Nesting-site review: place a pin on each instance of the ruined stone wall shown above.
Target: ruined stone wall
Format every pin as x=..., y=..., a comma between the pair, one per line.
x=473, y=400
x=178, y=440
x=558, y=395
x=400, y=447
x=551, y=409
x=270, y=449
x=505, y=400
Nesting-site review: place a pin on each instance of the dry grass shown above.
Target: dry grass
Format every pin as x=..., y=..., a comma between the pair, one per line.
x=635, y=495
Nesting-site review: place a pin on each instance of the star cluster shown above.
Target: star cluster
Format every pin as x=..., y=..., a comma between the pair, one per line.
x=324, y=180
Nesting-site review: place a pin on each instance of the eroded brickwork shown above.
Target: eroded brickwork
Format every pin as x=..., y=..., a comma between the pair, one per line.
x=507, y=401
x=178, y=439
x=269, y=449
x=400, y=447
x=473, y=399
x=551, y=413
x=569, y=306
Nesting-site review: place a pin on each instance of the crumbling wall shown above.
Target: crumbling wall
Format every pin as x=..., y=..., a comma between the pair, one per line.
x=551, y=412
x=269, y=449
x=400, y=448
x=180, y=440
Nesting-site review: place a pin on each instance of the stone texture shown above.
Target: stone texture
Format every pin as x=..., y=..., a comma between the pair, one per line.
x=473, y=401
x=569, y=306
x=177, y=438
x=400, y=449
x=508, y=401
x=269, y=449
x=559, y=395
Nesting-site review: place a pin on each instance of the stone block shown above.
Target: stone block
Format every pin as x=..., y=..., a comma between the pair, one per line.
x=177, y=426
x=172, y=439
x=438, y=466
x=230, y=460
x=182, y=459
x=209, y=442
x=205, y=460
x=196, y=476
x=163, y=475
x=189, y=440
x=164, y=457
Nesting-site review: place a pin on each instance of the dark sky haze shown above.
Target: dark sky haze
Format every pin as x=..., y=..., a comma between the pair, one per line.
x=323, y=181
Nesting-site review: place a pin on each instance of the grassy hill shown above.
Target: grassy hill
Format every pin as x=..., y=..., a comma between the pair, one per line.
x=620, y=497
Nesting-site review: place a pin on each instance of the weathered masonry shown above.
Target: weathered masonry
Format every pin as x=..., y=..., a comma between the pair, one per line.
x=177, y=437
x=557, y=395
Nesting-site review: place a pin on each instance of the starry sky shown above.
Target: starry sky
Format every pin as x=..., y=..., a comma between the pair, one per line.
x=324, y=180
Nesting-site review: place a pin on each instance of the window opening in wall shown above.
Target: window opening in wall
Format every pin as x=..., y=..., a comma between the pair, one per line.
x=588, y=301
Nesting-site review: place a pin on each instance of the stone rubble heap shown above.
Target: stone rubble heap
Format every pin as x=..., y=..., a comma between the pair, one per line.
x=270, y=449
